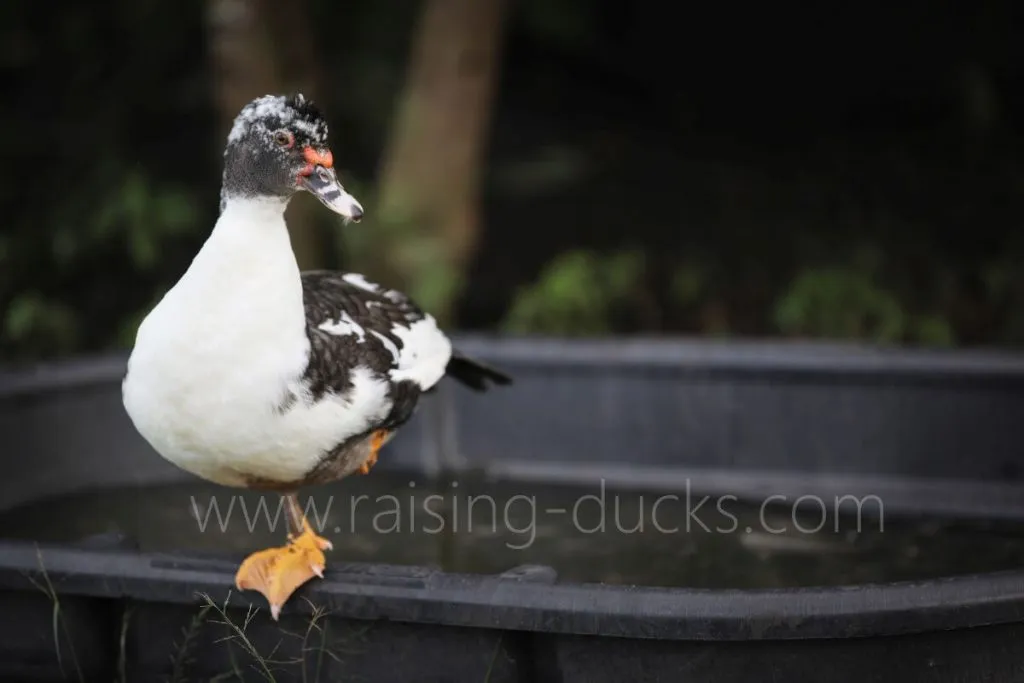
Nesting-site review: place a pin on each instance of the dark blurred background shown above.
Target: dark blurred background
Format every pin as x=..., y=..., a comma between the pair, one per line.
x=568, y=167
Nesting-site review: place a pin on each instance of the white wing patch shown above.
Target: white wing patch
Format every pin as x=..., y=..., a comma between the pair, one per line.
x=345, y=325
x=359, y=281
x=425, y=353
x=389, y=345
x=425, y=350
x=364, y=405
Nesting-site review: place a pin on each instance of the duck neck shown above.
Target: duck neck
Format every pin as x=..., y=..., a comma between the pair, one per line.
x=251, y=233
x=248, y=255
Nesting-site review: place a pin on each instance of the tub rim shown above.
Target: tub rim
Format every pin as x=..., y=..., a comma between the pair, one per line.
x=514, y=601
x=423, y=595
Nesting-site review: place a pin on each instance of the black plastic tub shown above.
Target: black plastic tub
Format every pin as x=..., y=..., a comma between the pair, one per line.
x=104, y=574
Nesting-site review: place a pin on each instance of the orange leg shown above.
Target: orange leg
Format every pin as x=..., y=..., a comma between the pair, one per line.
x=278, y=572
x=377, y=439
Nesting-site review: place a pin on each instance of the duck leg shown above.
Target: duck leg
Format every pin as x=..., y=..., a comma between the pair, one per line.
x=278, y=572
x=377, y=441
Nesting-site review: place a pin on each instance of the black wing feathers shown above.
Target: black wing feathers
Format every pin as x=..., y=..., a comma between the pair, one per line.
x=473, y=373
x=327, y=295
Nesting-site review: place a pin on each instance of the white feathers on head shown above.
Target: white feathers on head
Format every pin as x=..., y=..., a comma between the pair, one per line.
x=270, y=112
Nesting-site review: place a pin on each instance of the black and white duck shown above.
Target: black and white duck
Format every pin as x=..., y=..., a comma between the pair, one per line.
x=249, y=373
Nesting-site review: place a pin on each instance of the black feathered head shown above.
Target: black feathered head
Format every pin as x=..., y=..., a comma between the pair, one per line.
x=277, y=146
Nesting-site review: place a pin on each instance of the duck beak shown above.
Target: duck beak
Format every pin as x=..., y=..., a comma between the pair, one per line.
x=323, y=184
x=319, y=179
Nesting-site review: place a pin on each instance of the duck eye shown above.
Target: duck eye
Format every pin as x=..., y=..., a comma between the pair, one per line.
x=284, y=138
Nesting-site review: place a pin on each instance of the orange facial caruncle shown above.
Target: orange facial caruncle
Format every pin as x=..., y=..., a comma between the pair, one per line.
x=316, y=157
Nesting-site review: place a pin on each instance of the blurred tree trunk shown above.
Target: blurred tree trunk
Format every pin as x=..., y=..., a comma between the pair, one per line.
x=425, y=230
x=262, y=47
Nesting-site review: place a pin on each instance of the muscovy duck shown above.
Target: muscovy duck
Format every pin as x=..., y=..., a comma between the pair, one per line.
x=250, y=374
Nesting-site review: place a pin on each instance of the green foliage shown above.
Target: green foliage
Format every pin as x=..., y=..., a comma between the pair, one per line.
x=64, y=293
x=137, y=212
x=1003, y=282
x=578, y=293
x=98, y=226
x=33, y=320
x=112, y=180
x=689, y=283
x=696, y=287
x=933, y=330
x=844, y=303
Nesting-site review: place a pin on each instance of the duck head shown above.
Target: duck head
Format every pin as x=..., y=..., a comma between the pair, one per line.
x=278, y=146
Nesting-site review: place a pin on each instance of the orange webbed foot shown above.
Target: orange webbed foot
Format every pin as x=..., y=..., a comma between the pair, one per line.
x=278, y=572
